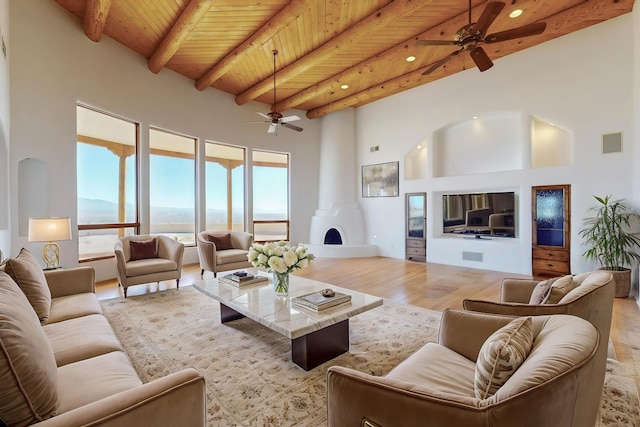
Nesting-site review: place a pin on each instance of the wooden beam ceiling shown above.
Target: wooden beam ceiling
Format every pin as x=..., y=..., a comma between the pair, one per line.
x=322, y=44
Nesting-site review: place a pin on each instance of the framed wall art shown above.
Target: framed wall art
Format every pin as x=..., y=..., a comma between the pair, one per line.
x=380, y=180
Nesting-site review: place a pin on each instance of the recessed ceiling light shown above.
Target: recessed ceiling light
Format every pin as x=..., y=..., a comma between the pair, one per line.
x=411, y=58
x=344, y=87
x=419, y=147
x=515, y=13
x=475, y=117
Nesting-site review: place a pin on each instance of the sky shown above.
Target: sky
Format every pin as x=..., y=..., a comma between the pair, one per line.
x=172, y=182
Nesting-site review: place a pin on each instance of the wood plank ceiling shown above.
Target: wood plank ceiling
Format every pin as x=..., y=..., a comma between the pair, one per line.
x=322, y=44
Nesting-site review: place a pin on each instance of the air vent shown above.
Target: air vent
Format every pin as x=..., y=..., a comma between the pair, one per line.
x=612, y=143
x=472, y=256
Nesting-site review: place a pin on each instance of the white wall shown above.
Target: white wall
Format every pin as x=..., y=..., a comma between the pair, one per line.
x=54, y=66
x=5, y=230
x=582, y=82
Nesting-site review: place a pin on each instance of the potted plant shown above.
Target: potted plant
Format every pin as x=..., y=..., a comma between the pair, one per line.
x=610, y=242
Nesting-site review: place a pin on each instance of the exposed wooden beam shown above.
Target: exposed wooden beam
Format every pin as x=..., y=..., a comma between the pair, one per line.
x=559, y=24
x=259, y=38
x=95, y=18
x=368, y=25
x=187, y=21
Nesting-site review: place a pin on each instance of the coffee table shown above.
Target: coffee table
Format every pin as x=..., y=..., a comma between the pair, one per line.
x=315, y=337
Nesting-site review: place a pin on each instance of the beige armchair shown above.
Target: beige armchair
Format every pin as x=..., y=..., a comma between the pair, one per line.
x=591, y=298
x=139, y=261
x=223, y=250
x=435, y=386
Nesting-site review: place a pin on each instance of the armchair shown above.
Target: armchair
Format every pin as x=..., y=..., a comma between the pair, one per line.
x=151, y=261
x=435, y=386
x=591, y=298
x=223, y=250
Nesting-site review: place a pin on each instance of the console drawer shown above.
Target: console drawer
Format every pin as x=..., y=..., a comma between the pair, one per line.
x=551, y=254
x=416, y=243
x=550, y=267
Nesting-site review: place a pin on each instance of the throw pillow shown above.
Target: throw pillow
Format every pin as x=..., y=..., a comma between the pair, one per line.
x=143, y=249
x=28, y=372
x=27, y=272
x=222, y=241
x=559, y=289
x=501, y=355
x=541, y=291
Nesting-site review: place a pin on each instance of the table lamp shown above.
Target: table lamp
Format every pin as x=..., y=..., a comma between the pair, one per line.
x=50, y=230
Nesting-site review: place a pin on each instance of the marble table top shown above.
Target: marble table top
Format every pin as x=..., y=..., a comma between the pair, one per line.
x=260, y=303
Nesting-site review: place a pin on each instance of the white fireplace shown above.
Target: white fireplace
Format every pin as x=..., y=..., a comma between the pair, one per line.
x=337, y=227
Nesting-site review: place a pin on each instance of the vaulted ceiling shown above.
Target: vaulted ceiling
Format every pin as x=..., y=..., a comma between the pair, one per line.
x=332, y=54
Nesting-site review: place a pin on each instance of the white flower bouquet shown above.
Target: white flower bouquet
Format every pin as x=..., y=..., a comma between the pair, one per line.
x=279, y=257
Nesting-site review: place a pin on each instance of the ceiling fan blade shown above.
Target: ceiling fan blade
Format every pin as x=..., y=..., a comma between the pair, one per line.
x=489, y=14
x=289, y=119
x=524, y=31
x=482, y=60
x=263, y=115
x=440, y=63
x=290, y=126
x=272, y=128
x=436, y=43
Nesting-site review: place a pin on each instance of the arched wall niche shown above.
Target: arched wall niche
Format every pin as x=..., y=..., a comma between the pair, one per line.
x=550, y=144
x=490, y=142
x=415, y=162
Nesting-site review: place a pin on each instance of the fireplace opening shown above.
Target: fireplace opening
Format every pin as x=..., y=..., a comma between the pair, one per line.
x=332, y=237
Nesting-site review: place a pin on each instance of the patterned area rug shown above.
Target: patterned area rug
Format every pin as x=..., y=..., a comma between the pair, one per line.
x=250, y=378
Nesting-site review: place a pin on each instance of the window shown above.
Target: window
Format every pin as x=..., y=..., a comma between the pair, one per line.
x=270, y=196
x=224, y=186
x=172, y=185
x=106, y=181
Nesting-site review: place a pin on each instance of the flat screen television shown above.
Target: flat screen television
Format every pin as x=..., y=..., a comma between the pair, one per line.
x=479, y=214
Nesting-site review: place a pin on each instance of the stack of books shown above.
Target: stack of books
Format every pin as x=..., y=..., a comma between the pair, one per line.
x=242, y=278
x=317, y=302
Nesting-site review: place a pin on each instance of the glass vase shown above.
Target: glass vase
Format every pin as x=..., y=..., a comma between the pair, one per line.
x=281, y=283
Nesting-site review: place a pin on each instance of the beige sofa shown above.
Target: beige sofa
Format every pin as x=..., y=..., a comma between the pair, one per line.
x=434, y=386
x=62, y=365
x=588, y=296
x=231, y=256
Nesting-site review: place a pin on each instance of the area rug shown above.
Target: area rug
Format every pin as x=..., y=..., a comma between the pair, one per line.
x=251, y=380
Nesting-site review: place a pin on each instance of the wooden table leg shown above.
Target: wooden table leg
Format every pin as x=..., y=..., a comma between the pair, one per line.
x=311, y=350
x=227, y=314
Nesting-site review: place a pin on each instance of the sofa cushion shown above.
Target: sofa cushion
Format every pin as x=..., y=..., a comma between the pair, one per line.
x=72, y=306
x=559, y=289
x=222, y=241
x=541, y=291
x=90, y=380
x=438, y=369
x=28, y=373
x=231, y=255
x=149, y=266
x=501, y=355
x=143, y=249
x=81, y=338
x=26, y=271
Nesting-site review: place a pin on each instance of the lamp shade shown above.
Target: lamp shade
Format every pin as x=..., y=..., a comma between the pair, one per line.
x=49, y=229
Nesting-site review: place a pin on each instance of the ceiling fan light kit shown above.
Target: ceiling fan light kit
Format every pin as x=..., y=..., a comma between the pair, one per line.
x=471, y=36
x=275, y=118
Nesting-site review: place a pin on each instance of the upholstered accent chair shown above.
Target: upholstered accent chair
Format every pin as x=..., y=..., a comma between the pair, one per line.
x=437, y=385
x=223, y=250
x=586, y=295
x=146, y=259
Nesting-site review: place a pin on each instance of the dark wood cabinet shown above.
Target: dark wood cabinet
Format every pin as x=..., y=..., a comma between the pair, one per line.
x=416, y=221
x=551, y=221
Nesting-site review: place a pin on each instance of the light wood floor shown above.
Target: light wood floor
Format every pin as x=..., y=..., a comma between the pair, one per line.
x=432, y=286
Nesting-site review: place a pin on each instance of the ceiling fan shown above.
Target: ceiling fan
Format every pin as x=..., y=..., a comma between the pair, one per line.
x=472, y=35
x=274, y=117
